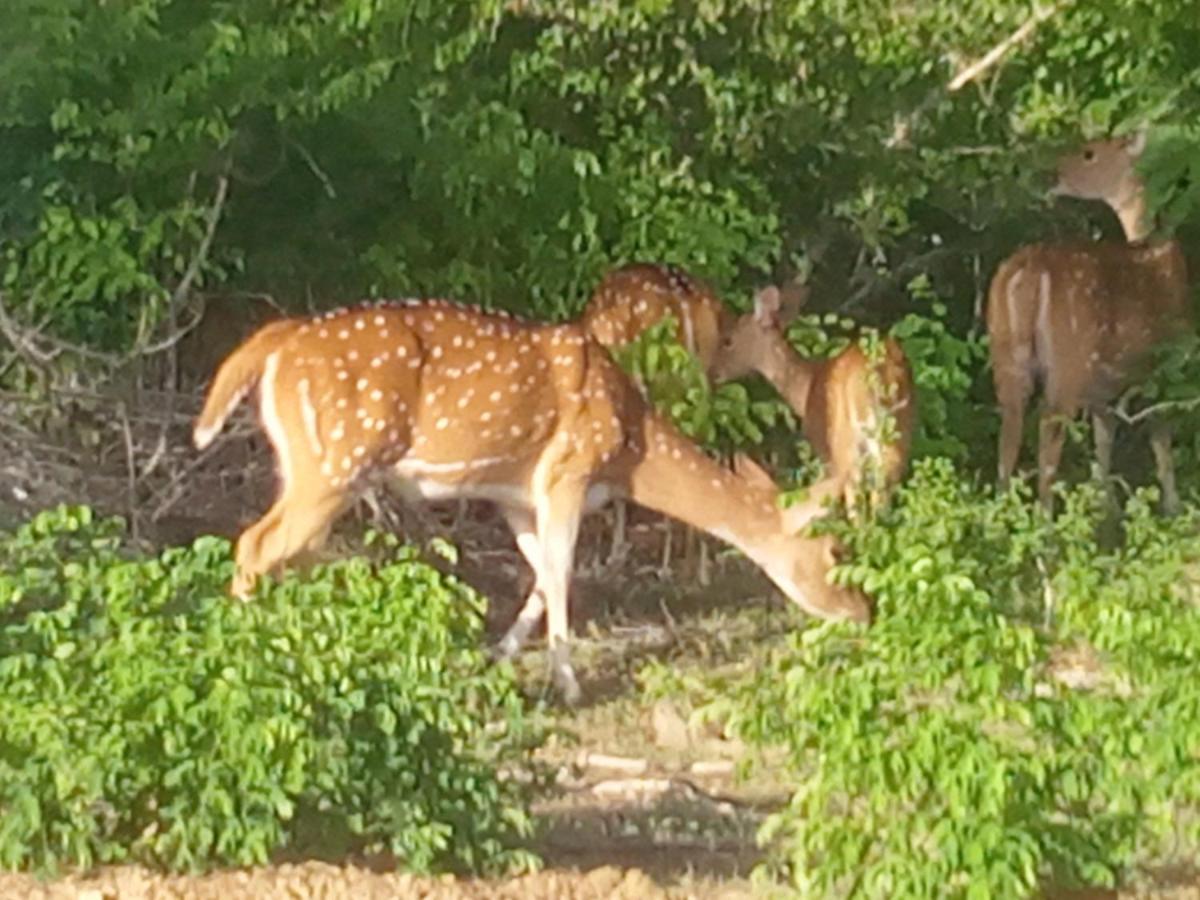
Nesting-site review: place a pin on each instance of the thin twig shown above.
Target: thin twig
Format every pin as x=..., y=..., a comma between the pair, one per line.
x=904, y=124
x=1153, y=410
x=315, y=169
x=25, y=342
x=993, y=56
x=131, y=470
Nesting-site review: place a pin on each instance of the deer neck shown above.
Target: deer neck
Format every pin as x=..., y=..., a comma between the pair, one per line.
x=1132, y=211
x=669, y=474
x=788, y=371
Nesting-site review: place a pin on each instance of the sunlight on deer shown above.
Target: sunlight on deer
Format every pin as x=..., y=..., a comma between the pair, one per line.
x=638, y=296
x=858, y=412
x=440, y=401
x=1082, y=319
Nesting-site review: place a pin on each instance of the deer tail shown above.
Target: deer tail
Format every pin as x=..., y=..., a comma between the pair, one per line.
x=236, y=377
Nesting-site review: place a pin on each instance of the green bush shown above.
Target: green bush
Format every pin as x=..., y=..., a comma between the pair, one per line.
x=1024, y=710
x=146, y=716
x=722, y=417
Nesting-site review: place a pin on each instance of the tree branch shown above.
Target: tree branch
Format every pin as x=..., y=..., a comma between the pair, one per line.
x=993, y=56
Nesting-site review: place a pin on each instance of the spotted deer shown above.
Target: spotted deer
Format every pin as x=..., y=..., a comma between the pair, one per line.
x=1082, y=318
x=842, y=401
x=440, y=400
x=638, y=296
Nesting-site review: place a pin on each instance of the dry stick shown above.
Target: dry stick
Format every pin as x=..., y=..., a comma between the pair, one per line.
x=178, y=296
x=171, y=493
x=132, y=469
x=25, y=342
x=903, y=125
x=1121, y=411
x=993, y=56
x=309, y=161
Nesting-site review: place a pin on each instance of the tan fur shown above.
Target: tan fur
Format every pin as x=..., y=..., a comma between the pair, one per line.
x=447, y=401
x=1082, y=318
x=638, y=296
x=237, y=376
x=835, y=398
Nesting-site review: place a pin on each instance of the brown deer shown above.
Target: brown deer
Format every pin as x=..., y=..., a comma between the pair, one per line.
x=841, y=401
x=441, y=400
x=1083, y=317
x=638, y=296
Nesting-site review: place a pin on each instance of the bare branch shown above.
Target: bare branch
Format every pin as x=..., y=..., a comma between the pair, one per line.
x=904, y=124
x=993, y=56
x=1154, y=409
x=26, y=341
x=309, y=161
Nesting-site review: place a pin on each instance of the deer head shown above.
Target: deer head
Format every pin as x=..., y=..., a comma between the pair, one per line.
x=1106, y=170
x=755, y=341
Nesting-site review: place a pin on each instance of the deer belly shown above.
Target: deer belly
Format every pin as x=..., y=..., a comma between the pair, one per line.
x=416, y=479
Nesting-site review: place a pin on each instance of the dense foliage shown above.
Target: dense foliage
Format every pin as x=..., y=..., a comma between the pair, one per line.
x=1023, y=711
x=145, y=716
x=510, y=151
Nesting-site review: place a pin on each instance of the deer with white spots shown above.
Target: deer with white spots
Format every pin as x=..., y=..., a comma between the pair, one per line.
x=445, y=401
x=640, y=295
x=636, y=297
x=843, y=402
x=1082, y=318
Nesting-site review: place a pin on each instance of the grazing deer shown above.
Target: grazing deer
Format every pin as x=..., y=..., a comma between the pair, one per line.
x=841, y=401
x=638, y=296
x=441, y=400
x=1083, y=317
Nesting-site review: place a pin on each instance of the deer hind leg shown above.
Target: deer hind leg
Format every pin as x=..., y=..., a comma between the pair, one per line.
x=1014, y=386
x=1104, y=429
x=1052, y=432
x=1160, y=443
x=524, y=528
x=299, y=521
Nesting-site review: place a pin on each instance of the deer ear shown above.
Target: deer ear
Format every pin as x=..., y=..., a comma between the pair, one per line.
x=748, y=470
x=793, y=299
x=1136, y=142
x=766, y=305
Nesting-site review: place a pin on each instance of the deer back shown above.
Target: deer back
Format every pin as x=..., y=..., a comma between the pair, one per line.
x=849, y=401
x=638, y=296
x=455, y=396
x=1086, y=315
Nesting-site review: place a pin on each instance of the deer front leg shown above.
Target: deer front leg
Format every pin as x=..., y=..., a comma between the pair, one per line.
x=816, y=503
x=1160, y=443
x=524, y=528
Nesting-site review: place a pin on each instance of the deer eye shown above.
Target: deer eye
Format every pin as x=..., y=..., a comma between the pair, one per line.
x=1089, y=155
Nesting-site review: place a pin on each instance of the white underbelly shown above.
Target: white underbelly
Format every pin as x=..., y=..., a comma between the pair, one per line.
x=415, y=480
x=598, y=495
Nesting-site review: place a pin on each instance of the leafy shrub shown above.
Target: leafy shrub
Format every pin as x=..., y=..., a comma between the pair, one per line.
x=1024, y=709
x=945, y=367
x=722, y=417
x=144, y=715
